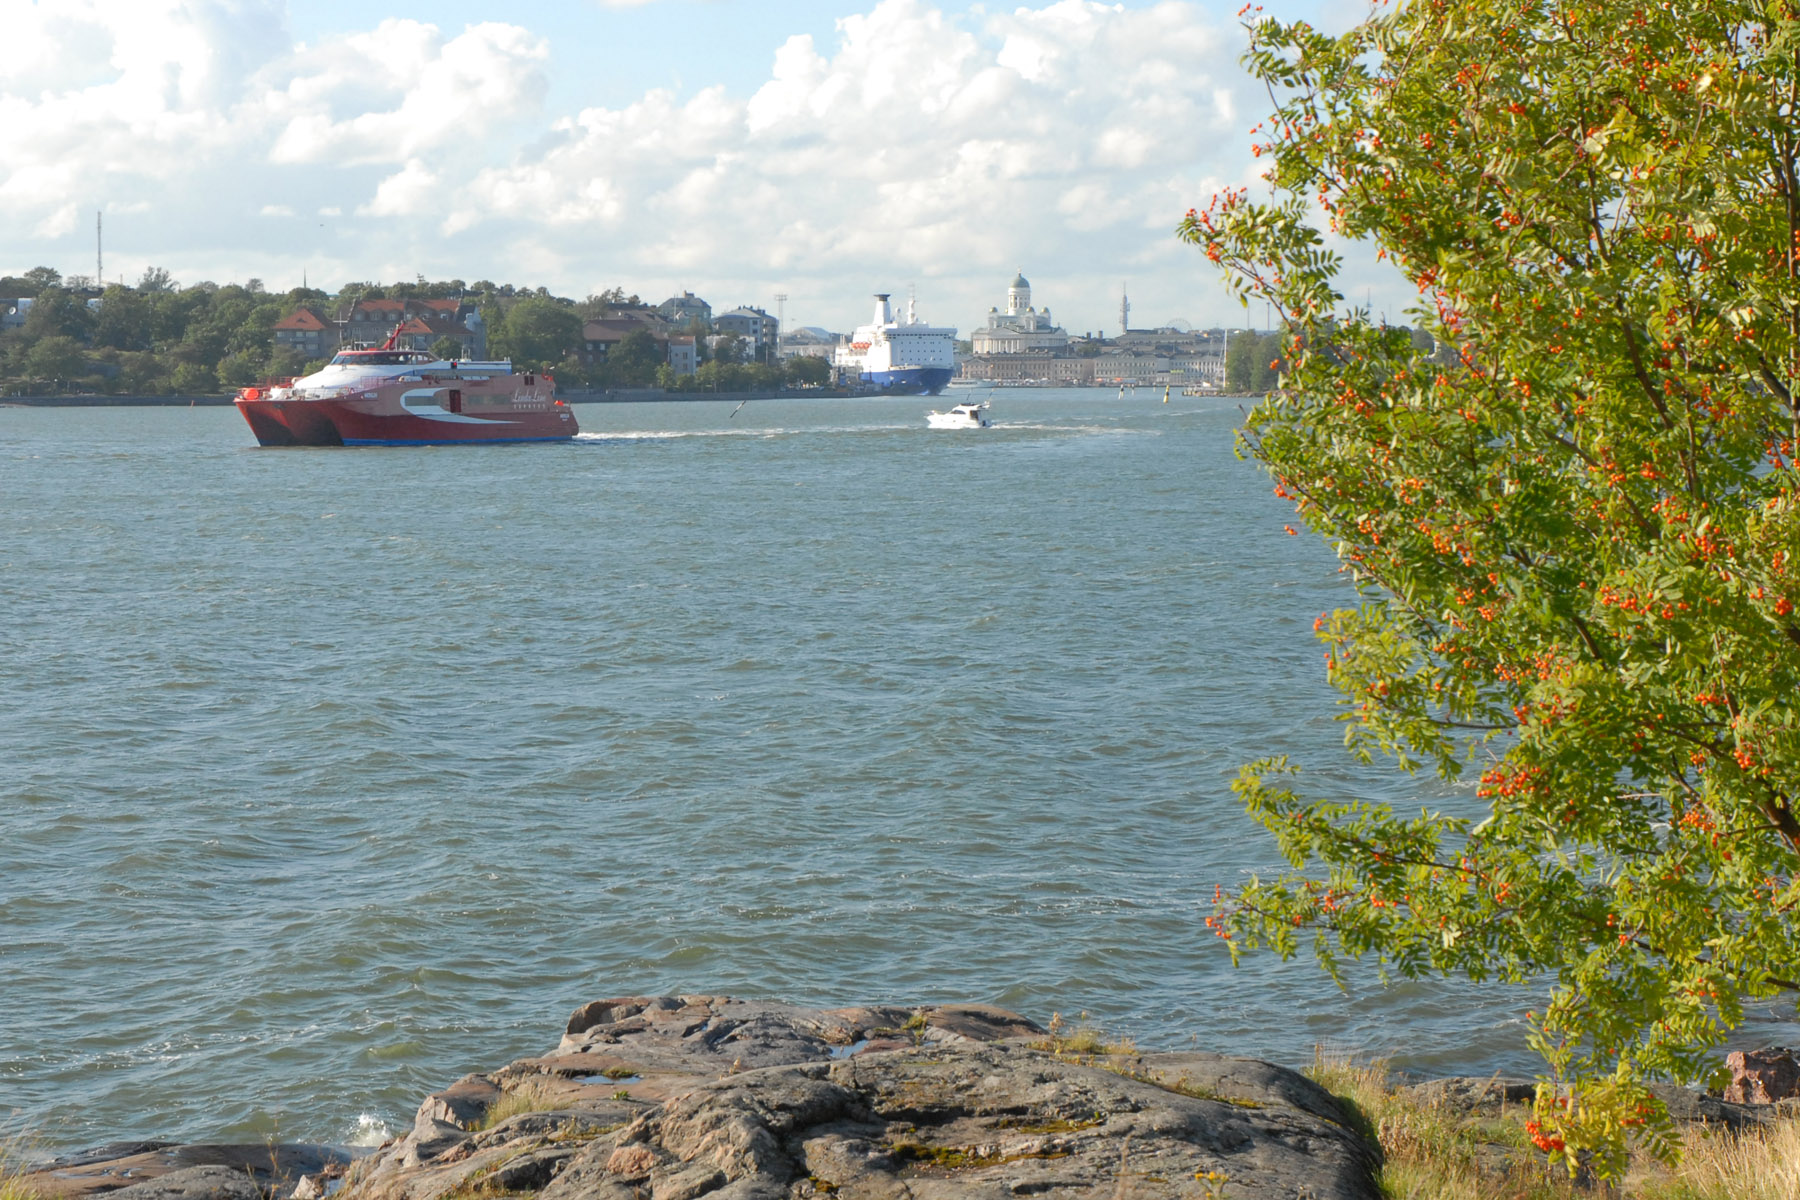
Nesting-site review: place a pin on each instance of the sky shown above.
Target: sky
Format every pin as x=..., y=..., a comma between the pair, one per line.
x=740, y=149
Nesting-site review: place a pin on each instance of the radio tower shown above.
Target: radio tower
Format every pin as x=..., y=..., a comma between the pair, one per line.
x=1124, y=311
x=99, y=267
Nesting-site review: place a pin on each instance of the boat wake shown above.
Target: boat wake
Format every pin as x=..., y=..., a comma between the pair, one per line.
x=670, y=435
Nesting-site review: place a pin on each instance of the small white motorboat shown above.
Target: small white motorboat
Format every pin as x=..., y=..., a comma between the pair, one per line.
x=960, y=416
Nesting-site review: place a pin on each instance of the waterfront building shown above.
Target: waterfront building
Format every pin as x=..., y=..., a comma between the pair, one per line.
x=680, y=310
x=761, y=331
x=601, y=336
x=684, y=354
x=1021, y=329
x=307, y=331
x=1107, y=364
x=424, y=333
x=422, y=324
x=474, y=324
x=1200, y=369
x=369, y=322
x=809, y=341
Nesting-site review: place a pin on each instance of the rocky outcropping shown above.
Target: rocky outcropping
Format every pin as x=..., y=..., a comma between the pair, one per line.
x=683, y=1097
x=675, y=1098
x=1765, y=1076
x=166, y=1171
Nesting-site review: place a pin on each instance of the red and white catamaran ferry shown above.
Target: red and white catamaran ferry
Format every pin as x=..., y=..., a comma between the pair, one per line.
x=392, y=397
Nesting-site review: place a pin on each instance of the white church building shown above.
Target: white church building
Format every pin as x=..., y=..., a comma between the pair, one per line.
x=1021, y=328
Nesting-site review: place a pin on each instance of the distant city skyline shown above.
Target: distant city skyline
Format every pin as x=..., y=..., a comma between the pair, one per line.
x=821, y=150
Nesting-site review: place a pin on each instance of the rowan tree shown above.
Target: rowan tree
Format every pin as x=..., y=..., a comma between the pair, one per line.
x=1574, y=527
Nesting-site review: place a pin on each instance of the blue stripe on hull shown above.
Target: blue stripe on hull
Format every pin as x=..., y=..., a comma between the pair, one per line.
x=910, y=381
x=565, y=437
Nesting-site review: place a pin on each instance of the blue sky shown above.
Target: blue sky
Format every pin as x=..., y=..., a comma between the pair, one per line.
x=823, y=149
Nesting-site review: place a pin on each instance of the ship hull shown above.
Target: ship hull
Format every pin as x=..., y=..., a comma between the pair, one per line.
x=409, y=416
x=910, y=381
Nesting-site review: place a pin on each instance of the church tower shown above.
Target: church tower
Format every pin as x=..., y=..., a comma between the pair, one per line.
x=1018, y=297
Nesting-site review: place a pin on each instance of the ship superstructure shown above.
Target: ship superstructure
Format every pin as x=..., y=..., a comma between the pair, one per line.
x=907, y=357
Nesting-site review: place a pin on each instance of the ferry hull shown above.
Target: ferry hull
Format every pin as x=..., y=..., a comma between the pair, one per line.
x=367, y=423
x=910, y=381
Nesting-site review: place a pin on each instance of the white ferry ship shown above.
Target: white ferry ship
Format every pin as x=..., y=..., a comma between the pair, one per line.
x=905, y=357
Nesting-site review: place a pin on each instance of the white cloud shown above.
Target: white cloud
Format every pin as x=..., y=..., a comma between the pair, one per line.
x=915, y=149
x=412, y=190
x=417, y=90
x=916, y=146
x=148, y=87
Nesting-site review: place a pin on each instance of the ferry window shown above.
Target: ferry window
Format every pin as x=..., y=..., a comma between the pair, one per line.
x=372, y=358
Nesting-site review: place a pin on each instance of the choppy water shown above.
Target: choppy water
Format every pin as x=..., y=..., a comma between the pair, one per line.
x=327, y=776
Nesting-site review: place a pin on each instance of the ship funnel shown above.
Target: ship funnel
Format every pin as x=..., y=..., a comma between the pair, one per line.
x=883, y=314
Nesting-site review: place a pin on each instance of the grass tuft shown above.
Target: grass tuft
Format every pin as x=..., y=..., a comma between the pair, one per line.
x=530, y=1097
x=1435, y=1153
x=15, y=1168
x=1758, y=1164
x=1082, y=1042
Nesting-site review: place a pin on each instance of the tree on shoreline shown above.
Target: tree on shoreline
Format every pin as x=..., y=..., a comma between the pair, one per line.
x=1577, y=546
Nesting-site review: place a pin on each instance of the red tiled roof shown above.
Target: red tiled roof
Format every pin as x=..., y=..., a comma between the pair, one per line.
x=304, y=319
x=608, y=330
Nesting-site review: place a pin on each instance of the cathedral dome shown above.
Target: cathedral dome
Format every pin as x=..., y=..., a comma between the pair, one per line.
x=1019, y=280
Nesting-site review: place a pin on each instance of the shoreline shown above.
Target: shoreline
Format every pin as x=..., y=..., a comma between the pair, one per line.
x=679, y=1097
x=614, y=396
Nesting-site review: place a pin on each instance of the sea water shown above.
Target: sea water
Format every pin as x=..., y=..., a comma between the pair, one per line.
x=329, y=775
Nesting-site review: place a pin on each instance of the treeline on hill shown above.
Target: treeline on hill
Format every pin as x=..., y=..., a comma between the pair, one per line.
x=160, y=338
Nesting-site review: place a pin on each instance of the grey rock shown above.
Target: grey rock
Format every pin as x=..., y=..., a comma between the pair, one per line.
x=108, y=1153
x=462, y=1105
x=1471, y=1093
x=530, y=1172
x=996, y=1120
x=274, y=1168
x=195, y=1183
x=689, y=1184
x=1685, y=1104
x=1762, y=1076
x=691, y=1097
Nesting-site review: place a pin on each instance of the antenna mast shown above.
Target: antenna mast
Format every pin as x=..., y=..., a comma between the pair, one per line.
x=99, y=268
